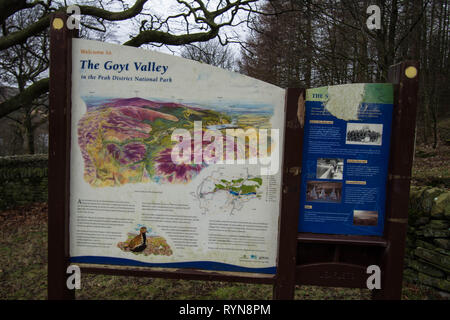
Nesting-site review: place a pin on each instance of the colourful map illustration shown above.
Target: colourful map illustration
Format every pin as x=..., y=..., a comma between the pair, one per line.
x=129, y=140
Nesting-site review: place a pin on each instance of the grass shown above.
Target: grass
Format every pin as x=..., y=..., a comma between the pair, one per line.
x=431, y=166
x=23, y=273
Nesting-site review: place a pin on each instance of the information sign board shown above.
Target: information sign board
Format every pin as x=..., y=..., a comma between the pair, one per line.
x=174, y=163
x=345, y=159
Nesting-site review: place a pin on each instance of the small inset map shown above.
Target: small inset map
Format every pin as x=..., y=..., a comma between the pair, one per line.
x=222, y=193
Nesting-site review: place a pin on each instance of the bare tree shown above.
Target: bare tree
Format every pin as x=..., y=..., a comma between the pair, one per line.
x=211, y=52
x=313, y=43
x=192, y=22
x=23, y=65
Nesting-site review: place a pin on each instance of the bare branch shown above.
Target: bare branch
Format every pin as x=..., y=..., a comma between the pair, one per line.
x=25, y=97
x=43, y=23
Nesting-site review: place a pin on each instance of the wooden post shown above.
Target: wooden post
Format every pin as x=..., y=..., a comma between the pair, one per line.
x=405, y=76
x=284, y=287
x=59, y=157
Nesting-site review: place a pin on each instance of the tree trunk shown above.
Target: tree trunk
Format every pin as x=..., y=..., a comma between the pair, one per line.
x=29, y=134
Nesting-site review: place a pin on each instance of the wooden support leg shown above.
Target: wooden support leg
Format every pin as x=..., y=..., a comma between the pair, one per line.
x=59, y=157
x=284, y=287
x=401, y=159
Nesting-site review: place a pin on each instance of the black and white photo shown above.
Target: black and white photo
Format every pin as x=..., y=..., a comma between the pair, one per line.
x=330, y=169
x=364, y=134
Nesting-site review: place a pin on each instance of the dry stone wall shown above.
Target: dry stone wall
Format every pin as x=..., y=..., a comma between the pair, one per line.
x=428, y=244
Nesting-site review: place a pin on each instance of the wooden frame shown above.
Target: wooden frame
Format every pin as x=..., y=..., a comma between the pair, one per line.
x=342, y=261
x=326, y=260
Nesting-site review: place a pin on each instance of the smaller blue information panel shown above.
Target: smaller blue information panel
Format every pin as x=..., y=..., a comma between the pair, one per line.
x=345, y=159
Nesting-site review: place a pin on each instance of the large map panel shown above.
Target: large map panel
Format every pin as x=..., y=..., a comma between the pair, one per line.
x=174, y=163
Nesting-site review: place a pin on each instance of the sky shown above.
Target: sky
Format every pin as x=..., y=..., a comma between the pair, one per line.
x=164, y=8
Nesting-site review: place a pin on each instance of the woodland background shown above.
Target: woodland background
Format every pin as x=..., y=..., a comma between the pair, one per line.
x=290, y=43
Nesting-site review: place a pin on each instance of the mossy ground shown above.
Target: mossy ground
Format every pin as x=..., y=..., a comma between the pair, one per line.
x=431, y=166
